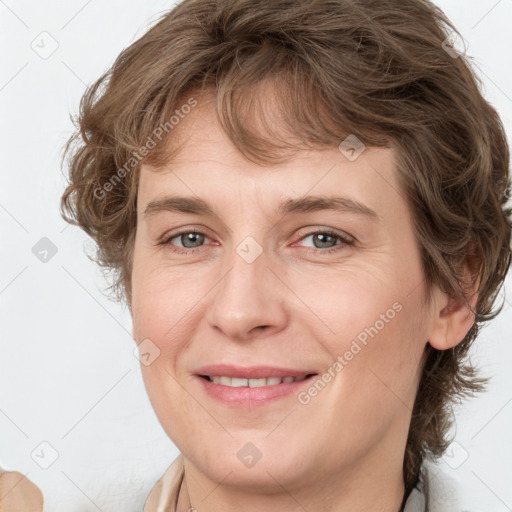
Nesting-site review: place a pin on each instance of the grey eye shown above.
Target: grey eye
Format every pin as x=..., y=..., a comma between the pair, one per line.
x=324, y=240
x=191, y=240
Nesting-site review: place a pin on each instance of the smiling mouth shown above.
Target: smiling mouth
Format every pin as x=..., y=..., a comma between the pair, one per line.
x=237, y=382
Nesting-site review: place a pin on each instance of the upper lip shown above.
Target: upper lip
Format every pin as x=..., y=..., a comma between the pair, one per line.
x=251, y=372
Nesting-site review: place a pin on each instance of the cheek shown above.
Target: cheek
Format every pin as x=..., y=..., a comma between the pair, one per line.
x=162, y=312
x=160, y=316
x=380, y=363
x=167, y=306
x=161, y=297
x=344, y=305
x=375, y=331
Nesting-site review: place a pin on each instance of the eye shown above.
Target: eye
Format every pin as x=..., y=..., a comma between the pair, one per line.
x=325, y=240
x=189, y=240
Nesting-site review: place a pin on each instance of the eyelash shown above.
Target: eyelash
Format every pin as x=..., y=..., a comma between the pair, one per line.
x=345, y=240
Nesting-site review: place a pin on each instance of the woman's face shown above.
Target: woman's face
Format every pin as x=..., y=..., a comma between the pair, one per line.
x=256, y=287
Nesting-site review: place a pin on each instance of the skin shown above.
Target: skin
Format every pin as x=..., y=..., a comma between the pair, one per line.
x=294, y=306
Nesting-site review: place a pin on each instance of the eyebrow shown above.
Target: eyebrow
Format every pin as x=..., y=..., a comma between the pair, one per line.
x=305, y=204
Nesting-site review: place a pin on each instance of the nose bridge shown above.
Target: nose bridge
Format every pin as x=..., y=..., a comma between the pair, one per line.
x=246, y=297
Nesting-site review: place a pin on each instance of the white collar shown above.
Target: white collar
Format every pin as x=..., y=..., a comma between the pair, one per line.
x=435, y=492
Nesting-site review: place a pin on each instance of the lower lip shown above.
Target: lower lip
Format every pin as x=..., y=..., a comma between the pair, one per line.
x=250, y=397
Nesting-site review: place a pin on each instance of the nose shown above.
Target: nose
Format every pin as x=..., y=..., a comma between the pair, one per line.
x=248, y=300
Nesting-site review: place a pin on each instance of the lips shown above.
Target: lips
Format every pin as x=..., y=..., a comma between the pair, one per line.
x=254, y=386
x=251, y=387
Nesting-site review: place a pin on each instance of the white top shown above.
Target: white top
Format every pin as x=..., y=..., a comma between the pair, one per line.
x=435, y=491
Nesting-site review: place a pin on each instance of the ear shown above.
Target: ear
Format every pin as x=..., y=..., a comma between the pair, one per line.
x=452, y=319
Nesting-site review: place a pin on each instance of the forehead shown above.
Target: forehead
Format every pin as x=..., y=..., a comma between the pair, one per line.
x=209, y=166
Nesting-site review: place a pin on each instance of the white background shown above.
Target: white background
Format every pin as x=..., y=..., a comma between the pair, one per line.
x=68, y=376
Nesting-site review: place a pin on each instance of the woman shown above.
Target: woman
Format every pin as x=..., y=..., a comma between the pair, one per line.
x=303, y=203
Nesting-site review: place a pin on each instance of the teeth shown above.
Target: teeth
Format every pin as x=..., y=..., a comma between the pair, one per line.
x=236, y=382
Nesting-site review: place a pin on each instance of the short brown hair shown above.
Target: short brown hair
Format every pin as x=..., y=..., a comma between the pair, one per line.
x=379, y=69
